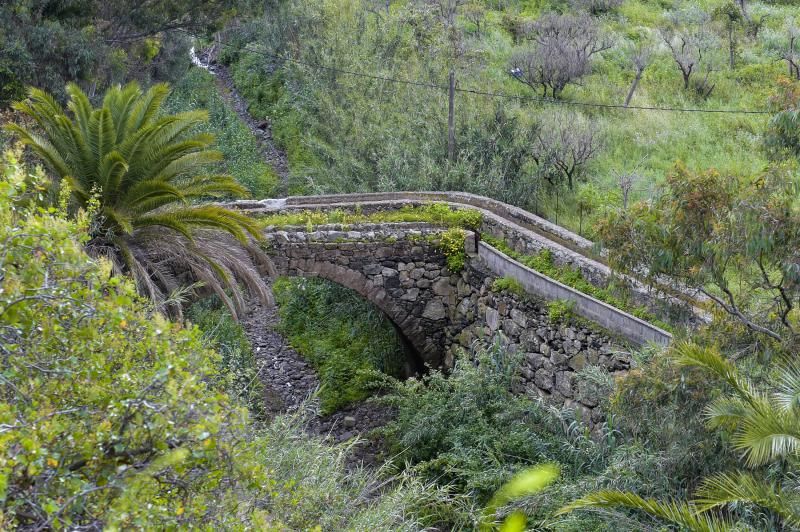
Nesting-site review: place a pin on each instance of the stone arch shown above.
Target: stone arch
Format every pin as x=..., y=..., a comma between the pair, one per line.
x=406, y=323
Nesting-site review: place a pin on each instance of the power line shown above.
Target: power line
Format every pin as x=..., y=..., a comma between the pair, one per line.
x=544, y=100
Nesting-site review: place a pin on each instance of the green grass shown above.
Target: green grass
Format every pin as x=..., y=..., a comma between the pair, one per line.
x=242, y=155
x=345, y=338
x=434, y=213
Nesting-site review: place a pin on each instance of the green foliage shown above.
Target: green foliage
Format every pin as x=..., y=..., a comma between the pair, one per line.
x=524, y=483
x=765, y=430
x=434, y=213
x=242, y=157
x=508, y=284
x=97, y=44
x=451, y=243
x=710, y=231
x=139, y=173
x=345, y=338
x=560, y=311
x=469, y=430
x=112, y=418
x=348, y=133
x=238, y=365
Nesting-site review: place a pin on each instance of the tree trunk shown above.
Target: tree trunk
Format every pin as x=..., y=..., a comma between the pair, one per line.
x=731, y=47
x=451, y=119
x=635, y=84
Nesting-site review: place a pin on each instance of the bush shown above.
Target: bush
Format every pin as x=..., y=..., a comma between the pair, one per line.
x=560, y=310
x=451, y=243
x=469, y=430
x=508, y=284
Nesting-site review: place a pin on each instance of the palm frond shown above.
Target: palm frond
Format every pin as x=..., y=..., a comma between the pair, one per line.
x=691, y=354
x=787, y=395
x=681, y=513
x=767, y=434
x=722, y=489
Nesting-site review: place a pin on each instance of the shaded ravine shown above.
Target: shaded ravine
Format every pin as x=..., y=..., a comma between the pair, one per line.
x=290, y=383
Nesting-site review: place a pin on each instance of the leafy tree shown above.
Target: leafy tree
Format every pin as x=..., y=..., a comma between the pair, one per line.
x=782, y=138
x=734, y=241
x=95, y=43
x=140, y=173
x=766, y=430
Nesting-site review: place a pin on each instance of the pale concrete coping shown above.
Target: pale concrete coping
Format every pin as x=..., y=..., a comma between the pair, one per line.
x=611, y=318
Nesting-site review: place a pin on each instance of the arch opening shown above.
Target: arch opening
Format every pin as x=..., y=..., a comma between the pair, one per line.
x=343, y=334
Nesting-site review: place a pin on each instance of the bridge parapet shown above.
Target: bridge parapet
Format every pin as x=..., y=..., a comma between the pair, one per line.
x=522, y=231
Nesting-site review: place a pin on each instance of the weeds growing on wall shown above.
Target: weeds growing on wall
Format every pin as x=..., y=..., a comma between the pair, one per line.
x=543, y=263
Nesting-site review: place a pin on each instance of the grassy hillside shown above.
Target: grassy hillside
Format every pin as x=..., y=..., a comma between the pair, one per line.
x=349, y=133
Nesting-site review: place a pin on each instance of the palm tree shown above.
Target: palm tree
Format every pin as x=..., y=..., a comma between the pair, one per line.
x=141, y=175
x=766, y=430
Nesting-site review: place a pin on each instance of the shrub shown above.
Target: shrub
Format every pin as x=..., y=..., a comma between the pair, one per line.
x=560, y=310
x=451, y=243
x=467, y=428
x=508, y=284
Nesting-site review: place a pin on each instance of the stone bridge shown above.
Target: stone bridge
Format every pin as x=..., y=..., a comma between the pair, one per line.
x=402, y=269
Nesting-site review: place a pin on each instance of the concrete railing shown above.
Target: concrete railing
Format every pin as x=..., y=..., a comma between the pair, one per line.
x=611, y=318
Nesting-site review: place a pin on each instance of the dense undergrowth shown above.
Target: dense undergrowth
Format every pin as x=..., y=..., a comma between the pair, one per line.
x=111, y=416
x=241, y=154
x=467, y=428
x=346, y=339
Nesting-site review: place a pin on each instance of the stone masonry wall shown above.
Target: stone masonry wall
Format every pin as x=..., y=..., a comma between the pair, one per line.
x=399, y=268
